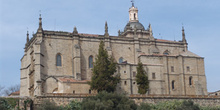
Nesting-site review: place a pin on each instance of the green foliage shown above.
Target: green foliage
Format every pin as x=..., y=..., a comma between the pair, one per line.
x=73, y=105
x=210, y=108
x=188, y=105
x=144, y=106
x=8, y=103
x=4, y=104
x=176, y=105
x=142, y=79
x=26, y=102
x=108, y=101
x=103, y=78
x=47, y=105
x=12, y=101
x=171, y=105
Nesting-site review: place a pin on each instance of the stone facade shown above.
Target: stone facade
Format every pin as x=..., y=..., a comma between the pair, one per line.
x=61, y=62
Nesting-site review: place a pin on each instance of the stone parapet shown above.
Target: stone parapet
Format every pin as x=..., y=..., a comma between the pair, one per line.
x=63, y=99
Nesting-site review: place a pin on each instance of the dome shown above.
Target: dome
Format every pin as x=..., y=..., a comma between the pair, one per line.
x=139, y=26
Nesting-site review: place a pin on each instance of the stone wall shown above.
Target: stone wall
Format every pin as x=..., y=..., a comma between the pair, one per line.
x=31, y=103
x=63, y=99
x=200, y=100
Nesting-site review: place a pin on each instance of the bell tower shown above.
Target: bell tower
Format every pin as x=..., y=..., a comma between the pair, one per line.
x=133, y=13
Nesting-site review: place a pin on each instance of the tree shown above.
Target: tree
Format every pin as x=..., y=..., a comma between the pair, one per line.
x=1, y=89
x=11, y=89
x=103, y=78
x=48, y=105
x=108, y=101
x=142, y=79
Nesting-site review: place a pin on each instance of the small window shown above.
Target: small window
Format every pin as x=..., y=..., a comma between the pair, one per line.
x=134, y=74
x=166, y=52
x=173, y=84
x=121, y=60
x=188, y=69
x=153, y=76
x=124, y=71
x=190, y=80
x=172, y=69
x=91, y=61
x=73, y=91
x=58, y=62
x=125, y=83
x=90, y=91
x=133, y=82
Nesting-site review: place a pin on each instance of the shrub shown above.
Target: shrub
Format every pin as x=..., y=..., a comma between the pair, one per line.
x=188, y=105
x=47, y=105
x=73, y=105
x=144, y=106
x=108, y=101
x=176, y=105
x=4, y=104
x=210, y=108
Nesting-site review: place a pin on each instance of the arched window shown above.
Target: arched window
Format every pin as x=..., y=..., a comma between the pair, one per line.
x=91, y=61
x=166, y=52
x=134, y=16
x=120, y=60
x=55, y=90
x=173, y=86
x=59, y=60
x=190, y=80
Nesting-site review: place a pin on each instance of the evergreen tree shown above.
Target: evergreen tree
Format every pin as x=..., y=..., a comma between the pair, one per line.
x=142, y=79
x=103, y=78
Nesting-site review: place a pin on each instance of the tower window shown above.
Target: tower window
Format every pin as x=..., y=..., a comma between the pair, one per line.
x=91, y=61
x=188, y=69
x=120, y=60
x=134, y=16
x=153, y=76
x=173, y=84
x=134, y=74
x=190, y=80
x=58, y=62
x=125, y=83
x=172, y=69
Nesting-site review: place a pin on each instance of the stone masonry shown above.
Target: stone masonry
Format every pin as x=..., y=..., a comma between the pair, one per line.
x=61, y=62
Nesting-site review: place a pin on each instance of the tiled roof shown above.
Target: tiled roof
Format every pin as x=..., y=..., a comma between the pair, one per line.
x=15, y=93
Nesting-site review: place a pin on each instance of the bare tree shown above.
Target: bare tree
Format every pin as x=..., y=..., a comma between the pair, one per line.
x=1, y=89
x=11, y=89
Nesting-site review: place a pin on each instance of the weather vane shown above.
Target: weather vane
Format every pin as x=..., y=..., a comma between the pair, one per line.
x=132, y=1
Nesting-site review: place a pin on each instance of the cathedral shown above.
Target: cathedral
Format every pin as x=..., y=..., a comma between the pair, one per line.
x=62, y=62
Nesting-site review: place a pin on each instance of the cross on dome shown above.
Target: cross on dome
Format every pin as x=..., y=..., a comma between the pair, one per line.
x=132, y=1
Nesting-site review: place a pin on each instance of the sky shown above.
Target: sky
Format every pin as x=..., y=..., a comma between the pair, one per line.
x=200, y=18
